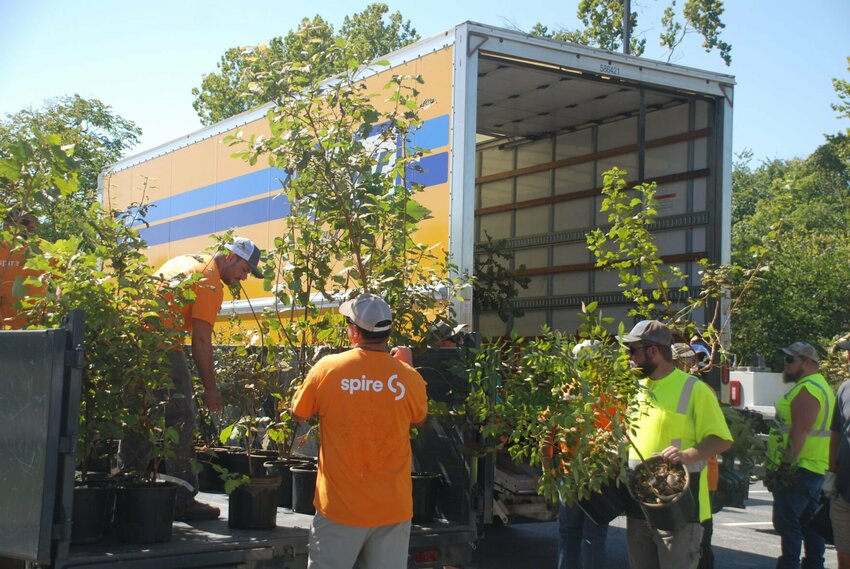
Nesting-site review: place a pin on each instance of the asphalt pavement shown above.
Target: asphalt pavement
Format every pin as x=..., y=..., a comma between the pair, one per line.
x=743, y=539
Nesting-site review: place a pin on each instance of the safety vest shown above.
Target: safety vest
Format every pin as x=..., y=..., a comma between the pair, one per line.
x=663, y=420
x=815, y=453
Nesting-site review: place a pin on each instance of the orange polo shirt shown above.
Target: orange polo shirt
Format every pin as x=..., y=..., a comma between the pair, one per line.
x=601, y=421
x=11, y=267
x=209, y=290
x=366, y=402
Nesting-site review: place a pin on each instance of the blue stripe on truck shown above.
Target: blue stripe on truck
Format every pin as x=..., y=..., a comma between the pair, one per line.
x=241, y=187
x=434, y=133
x=248, y=213
x=435, y=171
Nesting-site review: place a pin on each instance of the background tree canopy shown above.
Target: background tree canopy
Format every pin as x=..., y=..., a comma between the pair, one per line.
x=230, y=91
x=603, y=27
x=803, y=293
x=93, y=137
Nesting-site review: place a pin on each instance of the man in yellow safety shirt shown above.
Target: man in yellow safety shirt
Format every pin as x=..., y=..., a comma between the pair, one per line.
x=678, y=417
x=798, y=456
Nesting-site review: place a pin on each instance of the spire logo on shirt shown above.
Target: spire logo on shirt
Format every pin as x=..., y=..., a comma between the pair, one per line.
x=395, y=386
x=352, y=385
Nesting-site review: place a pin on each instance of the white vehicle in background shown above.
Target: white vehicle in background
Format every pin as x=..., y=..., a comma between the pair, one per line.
x=756, y=389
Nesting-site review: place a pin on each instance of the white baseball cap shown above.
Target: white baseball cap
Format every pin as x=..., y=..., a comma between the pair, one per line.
x=368, y=311
x=246, y=249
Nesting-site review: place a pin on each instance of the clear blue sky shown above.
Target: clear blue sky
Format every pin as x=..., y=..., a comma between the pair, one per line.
x=143, y=58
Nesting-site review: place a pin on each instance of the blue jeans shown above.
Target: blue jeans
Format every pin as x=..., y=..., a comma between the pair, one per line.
x=792, y=506
x=582, y=543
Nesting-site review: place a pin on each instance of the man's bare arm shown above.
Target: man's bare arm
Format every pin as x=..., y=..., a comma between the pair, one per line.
x=804, y=412
x=203, y=357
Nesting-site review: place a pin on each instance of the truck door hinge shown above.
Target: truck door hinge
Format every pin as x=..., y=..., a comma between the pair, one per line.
x=62, y=532
x=66, y=445
x=74, y=358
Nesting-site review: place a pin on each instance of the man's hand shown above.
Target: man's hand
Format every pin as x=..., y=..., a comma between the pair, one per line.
x=673, y=454
x=402, y=353
x=212, y=398
x=710, y=446
x=828, y=487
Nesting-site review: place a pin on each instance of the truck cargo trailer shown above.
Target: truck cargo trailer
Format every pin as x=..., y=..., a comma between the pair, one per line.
x=520, y=133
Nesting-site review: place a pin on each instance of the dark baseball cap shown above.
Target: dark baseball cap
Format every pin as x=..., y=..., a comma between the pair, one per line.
x=801, y=350
x=650, y=331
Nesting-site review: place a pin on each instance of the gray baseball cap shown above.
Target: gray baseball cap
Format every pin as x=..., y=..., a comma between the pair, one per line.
x=650, y=331
x=369, y=312
x=801, y=350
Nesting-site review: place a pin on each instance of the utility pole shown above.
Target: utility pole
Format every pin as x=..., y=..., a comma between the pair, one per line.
x=627, y=21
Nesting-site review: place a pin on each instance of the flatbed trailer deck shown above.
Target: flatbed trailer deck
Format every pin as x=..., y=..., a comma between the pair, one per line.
x=212, y=543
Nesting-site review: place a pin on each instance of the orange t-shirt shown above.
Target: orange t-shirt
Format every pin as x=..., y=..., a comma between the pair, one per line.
x=602, y=421
x=12, y=266
x=209, y=290
x=366, y=402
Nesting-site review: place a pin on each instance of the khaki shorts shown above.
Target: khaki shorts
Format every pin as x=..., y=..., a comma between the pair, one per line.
x=655, y=549
x=334, y=545
x=839, y=513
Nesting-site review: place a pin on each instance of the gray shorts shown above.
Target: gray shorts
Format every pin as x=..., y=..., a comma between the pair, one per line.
x=839, y=513
x=339, y=546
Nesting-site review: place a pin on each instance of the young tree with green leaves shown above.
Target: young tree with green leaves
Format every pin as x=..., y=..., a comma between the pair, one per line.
x=241, y=81
x=349, y=184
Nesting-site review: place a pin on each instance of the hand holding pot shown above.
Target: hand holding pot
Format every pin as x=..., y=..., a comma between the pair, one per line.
x=673, y=454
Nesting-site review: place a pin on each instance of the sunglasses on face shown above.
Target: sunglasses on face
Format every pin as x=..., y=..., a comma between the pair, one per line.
x=634, y=349
x=790, y=359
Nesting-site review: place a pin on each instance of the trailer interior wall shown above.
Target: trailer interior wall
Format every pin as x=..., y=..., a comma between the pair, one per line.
x=545, y=136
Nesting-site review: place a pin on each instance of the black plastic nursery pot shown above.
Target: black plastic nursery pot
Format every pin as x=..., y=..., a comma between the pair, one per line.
x=603, y=506
x=237, y=462
x=280, y=467
x=672, y=512
x=209, y=480
x=93, y=508
x=426, y=489
x=254, y=505
x=304, y=488
x=144, y=513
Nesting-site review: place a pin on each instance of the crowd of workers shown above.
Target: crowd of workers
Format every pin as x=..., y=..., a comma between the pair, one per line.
x=368, y=398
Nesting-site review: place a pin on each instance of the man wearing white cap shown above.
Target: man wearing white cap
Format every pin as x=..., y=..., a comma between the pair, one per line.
x=366, y=400
x=198, y=318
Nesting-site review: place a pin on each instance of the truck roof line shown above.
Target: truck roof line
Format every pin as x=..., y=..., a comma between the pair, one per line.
x=540, y=50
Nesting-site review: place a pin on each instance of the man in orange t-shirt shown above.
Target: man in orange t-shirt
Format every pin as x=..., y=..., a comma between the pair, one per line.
x=198, y=318
x=12, y=259
x=366, y=400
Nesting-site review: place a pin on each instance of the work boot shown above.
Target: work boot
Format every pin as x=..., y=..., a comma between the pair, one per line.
x=195, y=511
